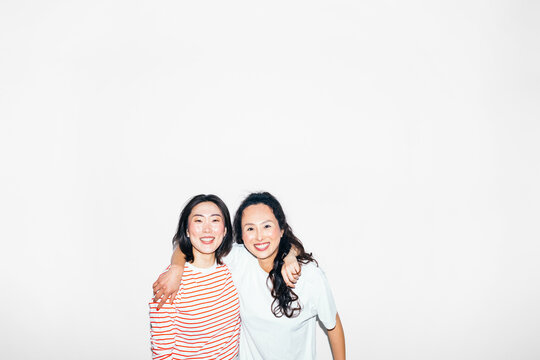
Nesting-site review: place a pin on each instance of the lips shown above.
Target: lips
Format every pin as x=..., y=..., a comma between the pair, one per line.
x=262, y=246
x=207, y=240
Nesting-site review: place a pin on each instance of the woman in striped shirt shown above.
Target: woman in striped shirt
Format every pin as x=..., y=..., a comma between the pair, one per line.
x=203, y=320
x=278, y=323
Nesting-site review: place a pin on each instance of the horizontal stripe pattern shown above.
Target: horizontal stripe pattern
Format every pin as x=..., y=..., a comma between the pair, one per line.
x=202, y=323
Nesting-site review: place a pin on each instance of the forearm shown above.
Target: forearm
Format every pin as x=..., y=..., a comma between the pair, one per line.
x=178, y=258
x=291, y=268
x=168, y=283
x=336, y=337
x=294, y=251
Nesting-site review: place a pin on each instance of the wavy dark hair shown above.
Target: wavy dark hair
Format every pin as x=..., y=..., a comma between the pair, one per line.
x=285, y=300
x=181, y=239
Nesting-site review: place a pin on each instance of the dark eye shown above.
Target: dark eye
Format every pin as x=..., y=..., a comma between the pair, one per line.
x=249, y=229
x=197, y=220
x=267, y=226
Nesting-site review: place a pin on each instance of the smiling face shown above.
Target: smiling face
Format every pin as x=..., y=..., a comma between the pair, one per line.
x=261, y=233
x=206, y=228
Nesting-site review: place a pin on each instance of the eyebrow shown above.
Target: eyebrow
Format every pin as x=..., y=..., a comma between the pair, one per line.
x=204, y=215
x=262, y=222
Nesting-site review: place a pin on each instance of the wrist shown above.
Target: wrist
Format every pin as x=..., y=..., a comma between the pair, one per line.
x=175, y=268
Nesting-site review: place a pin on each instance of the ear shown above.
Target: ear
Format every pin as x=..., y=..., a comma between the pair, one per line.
x=282, y=231
x=187, y=233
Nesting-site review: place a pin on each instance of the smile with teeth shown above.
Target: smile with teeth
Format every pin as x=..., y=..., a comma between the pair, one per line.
x=262, y=246
x=207, y=240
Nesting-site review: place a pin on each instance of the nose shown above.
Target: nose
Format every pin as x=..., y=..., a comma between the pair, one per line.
x=259, y=235
x=206, y=228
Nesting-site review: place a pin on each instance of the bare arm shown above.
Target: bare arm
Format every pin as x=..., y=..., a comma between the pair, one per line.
x=336, y=337
x=168, y=283
x=291, y=268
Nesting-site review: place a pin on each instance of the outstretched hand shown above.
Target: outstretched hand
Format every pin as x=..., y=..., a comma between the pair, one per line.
x=167, y=285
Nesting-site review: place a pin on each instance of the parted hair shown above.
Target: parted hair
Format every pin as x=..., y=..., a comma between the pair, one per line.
x=181, y=239
x=285, y=300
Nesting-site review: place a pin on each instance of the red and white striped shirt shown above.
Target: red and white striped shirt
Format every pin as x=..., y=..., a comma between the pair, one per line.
x=204, y=320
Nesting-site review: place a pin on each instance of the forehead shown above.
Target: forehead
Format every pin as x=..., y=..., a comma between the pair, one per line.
x=206, y=208
x=257, y=213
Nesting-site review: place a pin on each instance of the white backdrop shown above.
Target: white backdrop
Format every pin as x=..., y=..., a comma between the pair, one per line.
x=400, y=137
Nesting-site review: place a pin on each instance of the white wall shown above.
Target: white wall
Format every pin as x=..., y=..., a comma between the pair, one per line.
x=401, y=138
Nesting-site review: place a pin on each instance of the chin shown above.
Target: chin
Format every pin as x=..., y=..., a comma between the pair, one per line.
x=263, y=256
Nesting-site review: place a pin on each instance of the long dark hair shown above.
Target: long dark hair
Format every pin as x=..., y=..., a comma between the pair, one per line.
x=285, y=300
x=181, y=238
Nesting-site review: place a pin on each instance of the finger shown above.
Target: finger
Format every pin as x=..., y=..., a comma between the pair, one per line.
x=157, y=284
x=158, y=295
x=285, y=276
x=295, y=272
x=173, y=296
x=289, y=279
x=289, y=283
x=161, y=302
x=292, y=277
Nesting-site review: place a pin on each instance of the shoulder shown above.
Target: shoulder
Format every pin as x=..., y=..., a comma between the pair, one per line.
x=313, y=277
x=312, y=273
x=223, y=268
x=238, y=258
x=311, y=269
x=239, y=251
x=237, y=247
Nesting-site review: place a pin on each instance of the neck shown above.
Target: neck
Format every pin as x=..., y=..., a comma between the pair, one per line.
x=204, y=261
x=267, y=264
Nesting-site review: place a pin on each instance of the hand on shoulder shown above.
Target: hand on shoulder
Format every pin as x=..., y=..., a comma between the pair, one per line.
x=167, y=285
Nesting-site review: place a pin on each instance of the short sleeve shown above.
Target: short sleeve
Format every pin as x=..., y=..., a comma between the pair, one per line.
x=324, y=301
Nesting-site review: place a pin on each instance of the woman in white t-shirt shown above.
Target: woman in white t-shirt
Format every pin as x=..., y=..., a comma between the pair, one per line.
x=278, y=322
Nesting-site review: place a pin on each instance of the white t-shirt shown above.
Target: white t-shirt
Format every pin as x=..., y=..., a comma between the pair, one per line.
x=264, y=336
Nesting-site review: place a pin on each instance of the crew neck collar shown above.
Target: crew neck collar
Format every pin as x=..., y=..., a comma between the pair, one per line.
x=202, y=270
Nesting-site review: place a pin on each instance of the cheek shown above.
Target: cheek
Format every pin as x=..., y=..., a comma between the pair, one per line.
x=274, y=234
x=219, y=228
x=247, y=237
x=194, y=228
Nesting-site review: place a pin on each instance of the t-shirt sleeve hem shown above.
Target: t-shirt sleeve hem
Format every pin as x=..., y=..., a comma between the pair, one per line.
x=329, y=325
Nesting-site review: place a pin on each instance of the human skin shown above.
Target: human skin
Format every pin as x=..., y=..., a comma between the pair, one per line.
x=261, y=235
x=167, y=285
x=206, y=231
x=336, y=337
